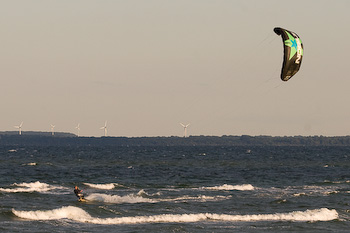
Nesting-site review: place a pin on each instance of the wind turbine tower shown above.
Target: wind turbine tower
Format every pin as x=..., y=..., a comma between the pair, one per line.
x=19, y=127
x=105, y=128
x=53, y=129
x=185, y=129
x=78, y=128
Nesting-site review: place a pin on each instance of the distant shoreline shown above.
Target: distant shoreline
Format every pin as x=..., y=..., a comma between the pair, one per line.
x=69, y=139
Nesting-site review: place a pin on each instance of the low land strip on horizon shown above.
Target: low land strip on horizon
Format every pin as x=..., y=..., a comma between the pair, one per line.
x=45, y=138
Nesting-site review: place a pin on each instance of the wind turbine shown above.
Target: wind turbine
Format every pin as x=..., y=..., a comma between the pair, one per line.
x=185, y=129
x=52, y=129
x=78, y=128
x=19, y=127
x=105, y=128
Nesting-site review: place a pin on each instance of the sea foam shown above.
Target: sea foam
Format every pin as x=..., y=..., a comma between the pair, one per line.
x=80, y=215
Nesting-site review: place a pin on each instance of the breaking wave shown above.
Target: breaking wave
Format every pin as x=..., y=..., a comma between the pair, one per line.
x=29, y=187
x=243, y=187
x=102, y=186
x=30, y=164
x=80, y=215
x=131, y=198
x=144, y=197
x=199, y=198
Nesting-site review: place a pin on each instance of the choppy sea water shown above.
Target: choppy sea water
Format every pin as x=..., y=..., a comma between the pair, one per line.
x=175, y=189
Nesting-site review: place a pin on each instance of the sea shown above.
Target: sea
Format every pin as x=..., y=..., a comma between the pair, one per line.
x=175, y=188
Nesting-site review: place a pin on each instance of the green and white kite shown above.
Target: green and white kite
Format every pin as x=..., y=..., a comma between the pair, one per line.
x=293, y=53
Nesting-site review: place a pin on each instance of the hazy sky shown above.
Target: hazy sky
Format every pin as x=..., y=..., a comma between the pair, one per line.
x=145, y=66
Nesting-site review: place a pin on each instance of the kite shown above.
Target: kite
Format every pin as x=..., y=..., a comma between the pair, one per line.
x=293, y=53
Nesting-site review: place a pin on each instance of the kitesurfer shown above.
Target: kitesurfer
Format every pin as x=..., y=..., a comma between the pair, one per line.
x=79, y=193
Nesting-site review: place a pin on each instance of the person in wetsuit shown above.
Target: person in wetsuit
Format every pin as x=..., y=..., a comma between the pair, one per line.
x=78, y=193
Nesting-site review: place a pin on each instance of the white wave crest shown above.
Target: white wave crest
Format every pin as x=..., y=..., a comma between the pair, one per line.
x=131, y=198
x=243, y=187
x=199, y=198
x=29, y=187
x=102, y=186
x=312, y=190
x=30, y=164
x=142, y=197
x=299, y=194
x=78, y=214
x=143, y=193
x=69, y=212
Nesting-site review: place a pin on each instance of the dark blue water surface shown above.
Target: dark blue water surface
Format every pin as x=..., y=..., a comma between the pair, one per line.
x=175, y=189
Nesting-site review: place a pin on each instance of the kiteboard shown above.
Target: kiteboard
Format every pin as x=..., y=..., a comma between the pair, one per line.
x=81, y=197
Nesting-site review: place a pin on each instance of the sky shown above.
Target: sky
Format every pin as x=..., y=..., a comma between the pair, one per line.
x=147, y=66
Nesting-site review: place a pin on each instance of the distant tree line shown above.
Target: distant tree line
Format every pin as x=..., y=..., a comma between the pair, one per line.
x=59, y=139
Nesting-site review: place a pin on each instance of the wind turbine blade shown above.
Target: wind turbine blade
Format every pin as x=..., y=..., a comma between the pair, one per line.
x=182, y=125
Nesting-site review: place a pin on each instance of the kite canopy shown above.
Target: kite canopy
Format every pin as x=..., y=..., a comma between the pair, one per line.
x=293, y=53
